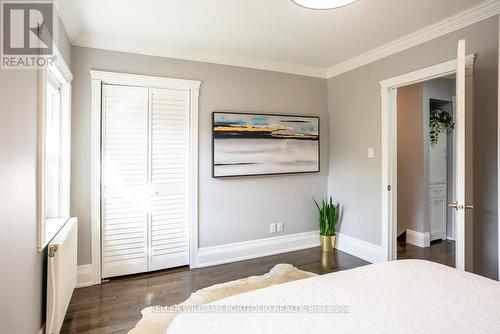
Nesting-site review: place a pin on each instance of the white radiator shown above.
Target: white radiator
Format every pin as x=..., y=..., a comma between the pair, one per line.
x=61, y=275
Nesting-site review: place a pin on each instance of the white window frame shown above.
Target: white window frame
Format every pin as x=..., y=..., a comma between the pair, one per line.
x=98, y=78
x=59, y=72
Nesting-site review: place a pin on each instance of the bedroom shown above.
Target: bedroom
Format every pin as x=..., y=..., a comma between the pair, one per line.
x=238, y=57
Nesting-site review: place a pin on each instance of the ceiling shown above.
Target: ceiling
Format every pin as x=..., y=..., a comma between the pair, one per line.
x=231, y=31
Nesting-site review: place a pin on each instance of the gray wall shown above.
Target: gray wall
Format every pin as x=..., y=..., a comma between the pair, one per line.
x=355, y=124
x=230, y=210
x=22, y=283
x=411, y=201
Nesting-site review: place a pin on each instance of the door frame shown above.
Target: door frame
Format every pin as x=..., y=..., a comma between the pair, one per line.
x=389, y=143
x=98, y=78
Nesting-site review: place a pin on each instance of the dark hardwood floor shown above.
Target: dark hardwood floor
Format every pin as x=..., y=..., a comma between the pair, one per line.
x=114, y=307
x=441, y=252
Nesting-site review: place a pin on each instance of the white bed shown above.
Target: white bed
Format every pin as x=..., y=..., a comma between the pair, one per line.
x=409, y=296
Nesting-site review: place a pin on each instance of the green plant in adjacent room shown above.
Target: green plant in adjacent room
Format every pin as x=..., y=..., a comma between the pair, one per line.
x=329, y=214
x=439, y=117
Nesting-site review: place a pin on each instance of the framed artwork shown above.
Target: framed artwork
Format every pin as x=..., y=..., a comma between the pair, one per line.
x=264, y=144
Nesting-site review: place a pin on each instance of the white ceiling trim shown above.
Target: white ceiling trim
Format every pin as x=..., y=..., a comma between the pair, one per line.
x=68, y=24
x=468, y=17
x=240, y=61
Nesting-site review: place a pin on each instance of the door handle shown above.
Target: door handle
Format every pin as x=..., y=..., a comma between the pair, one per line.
x=456, y=206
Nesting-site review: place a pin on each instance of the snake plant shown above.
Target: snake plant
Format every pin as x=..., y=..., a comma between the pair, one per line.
x=328, y=216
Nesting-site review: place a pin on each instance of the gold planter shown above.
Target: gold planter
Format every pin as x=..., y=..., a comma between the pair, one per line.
x=327, y=242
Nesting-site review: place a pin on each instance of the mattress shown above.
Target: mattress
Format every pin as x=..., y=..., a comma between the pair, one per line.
x=411, y=296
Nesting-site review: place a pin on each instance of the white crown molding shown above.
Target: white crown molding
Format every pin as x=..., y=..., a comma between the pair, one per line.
x=61, y=65
x=463, y=19
x=67, y=23
x=239, y=61
x=458, y=21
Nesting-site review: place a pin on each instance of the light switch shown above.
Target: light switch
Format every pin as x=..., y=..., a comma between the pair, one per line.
x=370, y=153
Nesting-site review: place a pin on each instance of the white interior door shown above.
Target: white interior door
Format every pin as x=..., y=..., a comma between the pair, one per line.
x=124, y=180
x=169, y=178
x=462, y=249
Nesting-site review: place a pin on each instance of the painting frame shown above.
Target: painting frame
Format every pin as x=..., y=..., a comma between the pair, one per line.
x=258, y=114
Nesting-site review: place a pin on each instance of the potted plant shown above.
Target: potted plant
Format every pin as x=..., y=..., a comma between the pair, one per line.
x=329, y=213
x=439, y=118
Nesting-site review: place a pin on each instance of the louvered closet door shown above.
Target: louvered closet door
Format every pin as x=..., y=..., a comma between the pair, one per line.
x=125, y=190
x=169, y=178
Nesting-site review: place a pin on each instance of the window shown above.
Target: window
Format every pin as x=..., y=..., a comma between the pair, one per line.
x=54, y=151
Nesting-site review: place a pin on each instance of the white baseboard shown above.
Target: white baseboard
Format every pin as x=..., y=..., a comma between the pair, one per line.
x=360, y=248
x=437, y=235
x=418, y=239
x=84, y=276
x=214, y=255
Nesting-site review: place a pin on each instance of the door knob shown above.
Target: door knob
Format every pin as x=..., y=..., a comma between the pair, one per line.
x=456, y=206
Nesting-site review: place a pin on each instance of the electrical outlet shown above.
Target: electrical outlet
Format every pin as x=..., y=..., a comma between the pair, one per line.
x=371, y=154
x=280, y=226
x=272, y=228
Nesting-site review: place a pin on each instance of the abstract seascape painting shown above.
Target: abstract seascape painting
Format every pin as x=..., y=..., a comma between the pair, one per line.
x=261, y=144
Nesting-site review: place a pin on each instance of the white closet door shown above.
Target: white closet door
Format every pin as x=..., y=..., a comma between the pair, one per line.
x=125, y=191
x=169, y=178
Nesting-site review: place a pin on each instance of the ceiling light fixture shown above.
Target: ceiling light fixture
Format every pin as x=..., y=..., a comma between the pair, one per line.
x=323, y=4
